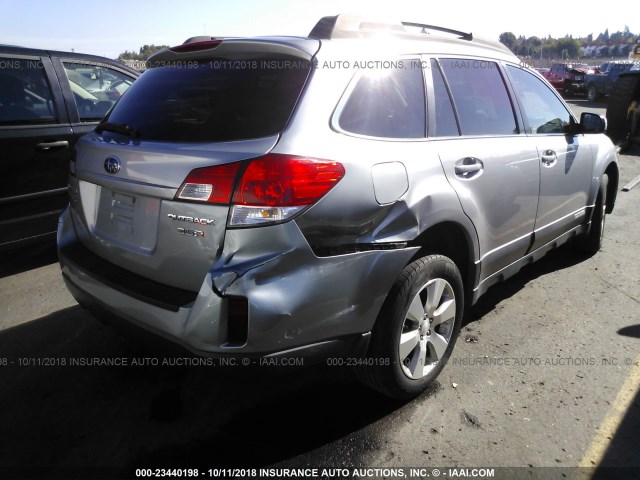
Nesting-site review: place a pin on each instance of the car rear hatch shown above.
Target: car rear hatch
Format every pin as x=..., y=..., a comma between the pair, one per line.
x=151, y=187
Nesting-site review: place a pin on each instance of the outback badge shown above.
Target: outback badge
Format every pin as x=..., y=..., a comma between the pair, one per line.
x=188, y=219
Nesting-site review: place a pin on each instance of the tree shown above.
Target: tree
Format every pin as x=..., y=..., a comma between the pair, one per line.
x=145, y=52
x=616, y=37
x=605, y=44
x=569, y=46
x=508, y=39
x=603, y=37
x=534, y=41
x=533, y=46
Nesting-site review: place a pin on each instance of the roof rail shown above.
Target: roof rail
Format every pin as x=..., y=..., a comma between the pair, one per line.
x=463, y=35
x=350, y=26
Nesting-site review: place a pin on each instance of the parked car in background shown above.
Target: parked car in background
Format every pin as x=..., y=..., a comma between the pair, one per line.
x=271, y=197
x=600, y=83
x=622, y=108
x=48, y=100
x=568, y=78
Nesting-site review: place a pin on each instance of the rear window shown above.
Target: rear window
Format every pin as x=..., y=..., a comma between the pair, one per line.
x=213, y=100
x=387, y=103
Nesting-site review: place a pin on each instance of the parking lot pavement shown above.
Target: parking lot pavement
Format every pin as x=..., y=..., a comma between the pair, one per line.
x=580, y=104
x=534, y=381
x=31, y=286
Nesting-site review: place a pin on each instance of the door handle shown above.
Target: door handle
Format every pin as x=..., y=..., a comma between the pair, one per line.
x=548, y=158
x=52, y=145
x=468, y=167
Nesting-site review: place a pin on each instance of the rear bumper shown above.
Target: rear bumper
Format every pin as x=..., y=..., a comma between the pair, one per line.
x=575, y=86
x=297, y=304
x=350, y=346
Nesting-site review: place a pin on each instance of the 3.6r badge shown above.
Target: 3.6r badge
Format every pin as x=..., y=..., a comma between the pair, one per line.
x=188, y=219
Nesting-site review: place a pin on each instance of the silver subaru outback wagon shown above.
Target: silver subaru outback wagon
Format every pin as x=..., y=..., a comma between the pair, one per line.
x=347, y=193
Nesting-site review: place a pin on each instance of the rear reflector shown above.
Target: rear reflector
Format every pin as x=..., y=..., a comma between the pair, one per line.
x=238, y=321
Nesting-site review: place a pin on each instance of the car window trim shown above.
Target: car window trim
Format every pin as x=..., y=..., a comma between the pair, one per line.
x=507, y=85
x=431, y=101
x=54, y=87
x=63, y=80
x=524, y=119
x=95, y=63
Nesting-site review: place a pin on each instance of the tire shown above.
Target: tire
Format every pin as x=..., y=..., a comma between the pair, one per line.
x=592, y=93
x=567, y=91
x=624, y=91
x=592, y=241
x=416, y=329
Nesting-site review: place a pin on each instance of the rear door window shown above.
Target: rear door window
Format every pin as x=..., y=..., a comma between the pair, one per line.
x=387, y=103
x=480, y=97
x=95, y=88
x=213, y=100
x=25, y=93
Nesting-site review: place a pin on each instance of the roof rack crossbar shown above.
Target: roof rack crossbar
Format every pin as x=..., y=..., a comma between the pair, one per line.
x=463, y=35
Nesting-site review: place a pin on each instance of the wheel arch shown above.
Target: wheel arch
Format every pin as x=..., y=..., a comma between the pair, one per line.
x=612, y=189
x=456, y=242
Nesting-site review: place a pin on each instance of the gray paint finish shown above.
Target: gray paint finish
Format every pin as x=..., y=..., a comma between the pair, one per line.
x=326, y=273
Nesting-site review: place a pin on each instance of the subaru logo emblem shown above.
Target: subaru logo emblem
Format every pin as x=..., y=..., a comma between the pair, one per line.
x=112, y=165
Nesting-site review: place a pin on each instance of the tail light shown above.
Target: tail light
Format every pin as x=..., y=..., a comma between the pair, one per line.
x=272, y=188
x=210, y=185
x=196, y=46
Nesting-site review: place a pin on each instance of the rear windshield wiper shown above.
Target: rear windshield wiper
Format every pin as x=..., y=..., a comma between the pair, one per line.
x=118, y=128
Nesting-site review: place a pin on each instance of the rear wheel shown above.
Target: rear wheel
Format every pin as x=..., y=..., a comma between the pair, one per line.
x=416, y=329
x=592, y=241
x=592, y=93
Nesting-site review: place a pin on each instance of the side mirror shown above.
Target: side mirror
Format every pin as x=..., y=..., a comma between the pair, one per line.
x=592, y=123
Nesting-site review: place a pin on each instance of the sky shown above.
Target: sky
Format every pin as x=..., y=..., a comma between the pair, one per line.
x=109, y=28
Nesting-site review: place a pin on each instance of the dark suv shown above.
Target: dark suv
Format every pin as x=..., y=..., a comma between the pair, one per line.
x=47, y=101
x=347, y=193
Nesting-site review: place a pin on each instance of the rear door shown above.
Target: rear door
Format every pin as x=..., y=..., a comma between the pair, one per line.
x=556, y=76
x=566, y=161
x=492, y=167
x=35, y=146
